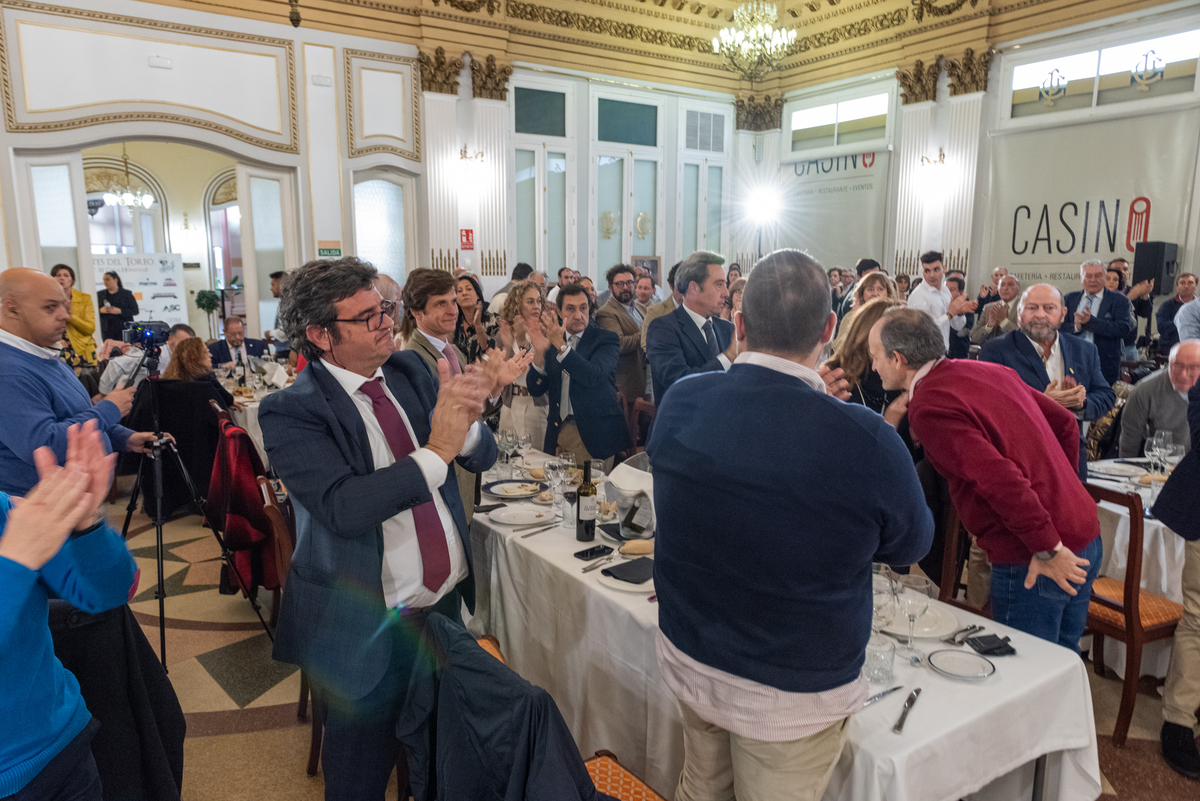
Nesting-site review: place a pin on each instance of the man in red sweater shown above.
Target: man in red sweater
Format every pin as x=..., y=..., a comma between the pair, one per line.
x=1009, y=455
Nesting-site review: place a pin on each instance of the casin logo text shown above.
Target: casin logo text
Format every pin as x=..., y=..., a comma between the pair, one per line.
x=1071, y=226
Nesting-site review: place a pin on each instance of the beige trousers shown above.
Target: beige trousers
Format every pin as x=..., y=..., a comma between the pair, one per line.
x=1181, y=693
x=569, y=441
x=523, y=416
x=719, y=765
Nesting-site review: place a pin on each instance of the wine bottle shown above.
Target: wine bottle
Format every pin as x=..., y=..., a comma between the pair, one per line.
x=585, y=519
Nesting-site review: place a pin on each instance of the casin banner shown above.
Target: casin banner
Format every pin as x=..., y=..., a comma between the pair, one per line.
x=836, y=207
x=1061, y=196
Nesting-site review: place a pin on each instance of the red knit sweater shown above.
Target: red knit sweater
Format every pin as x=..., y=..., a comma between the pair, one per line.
x=1009, y=454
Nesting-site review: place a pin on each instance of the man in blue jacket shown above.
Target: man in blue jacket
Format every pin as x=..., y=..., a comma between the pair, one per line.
x=1064, y=367
x=772, y=500
x=364, y=440
x=1100, y=317
x=235, y=348
x=575, y=362
x=55, y=544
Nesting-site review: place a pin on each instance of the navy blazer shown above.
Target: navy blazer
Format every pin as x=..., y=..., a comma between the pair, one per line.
x=1081, y=361
x=675, y=348
x=221, y=354
x=592, y=365
x=1178, y=505
x=333, y=621
x=1109, y=327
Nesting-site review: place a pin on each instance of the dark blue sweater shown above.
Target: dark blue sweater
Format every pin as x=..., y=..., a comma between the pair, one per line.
x=41, y=399
x=772, y=501
x=41, y=709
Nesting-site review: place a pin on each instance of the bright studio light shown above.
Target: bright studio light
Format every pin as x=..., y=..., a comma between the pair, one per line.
x=762, y=205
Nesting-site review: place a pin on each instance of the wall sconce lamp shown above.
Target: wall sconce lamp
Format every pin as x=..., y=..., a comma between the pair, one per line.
x=940, y=161
x=478, y=157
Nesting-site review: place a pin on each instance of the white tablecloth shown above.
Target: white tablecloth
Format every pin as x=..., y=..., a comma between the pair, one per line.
x=593, y=649
x=247, y=417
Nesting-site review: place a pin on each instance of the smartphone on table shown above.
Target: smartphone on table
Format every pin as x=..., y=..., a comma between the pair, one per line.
x=590, y=554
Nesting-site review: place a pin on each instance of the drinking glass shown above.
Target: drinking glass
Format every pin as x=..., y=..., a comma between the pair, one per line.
x=570, y=499
x=883, y=602
x=504, y=467
x=881, y=653
x=1171, y=456
x=915, y=592
x=524, y=443
x=553, y=471
x=505, y=443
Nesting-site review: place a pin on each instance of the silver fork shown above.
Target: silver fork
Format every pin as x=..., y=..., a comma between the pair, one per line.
x=953, y=639
x=603, y=561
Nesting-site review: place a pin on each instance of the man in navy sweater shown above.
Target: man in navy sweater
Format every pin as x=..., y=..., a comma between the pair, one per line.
x=41, y=396
x=765, y=544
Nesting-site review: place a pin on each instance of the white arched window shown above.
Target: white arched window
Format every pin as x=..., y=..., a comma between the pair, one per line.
x=385, y=221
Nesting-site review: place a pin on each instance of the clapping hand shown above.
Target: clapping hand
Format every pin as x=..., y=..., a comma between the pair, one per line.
x=460, y=402
x=503, y=370
x=1072, y=397
x=1141, y=289
x=995, y=314
x=552, y=326
x=1082, y=317
x=960, y=305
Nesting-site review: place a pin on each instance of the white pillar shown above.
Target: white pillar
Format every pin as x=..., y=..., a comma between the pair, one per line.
x=755, y=169
x=440, y=139
x=917, y=119
x=492, y=139
x=962, y=158
x=324, y=152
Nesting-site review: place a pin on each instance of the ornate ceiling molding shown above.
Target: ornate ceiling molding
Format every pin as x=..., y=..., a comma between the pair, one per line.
x=440, y=74
x=759, y=115
x=528, y=12
x=471, y=6
x=920, y=83
x=923, y=7
x=489, y=81
x=851, y=30
x=969, y=74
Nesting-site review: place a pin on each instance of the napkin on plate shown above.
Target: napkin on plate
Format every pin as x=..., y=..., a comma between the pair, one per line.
x=636, y=571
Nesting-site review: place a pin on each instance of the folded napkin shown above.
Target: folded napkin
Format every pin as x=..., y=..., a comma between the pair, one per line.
x=637, y=571
x=490, y=507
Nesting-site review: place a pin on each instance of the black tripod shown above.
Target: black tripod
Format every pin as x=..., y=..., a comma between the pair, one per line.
x=159, y=446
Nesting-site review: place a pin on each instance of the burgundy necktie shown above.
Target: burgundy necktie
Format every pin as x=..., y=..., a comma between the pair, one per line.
x=431, y=537
x=452, y=358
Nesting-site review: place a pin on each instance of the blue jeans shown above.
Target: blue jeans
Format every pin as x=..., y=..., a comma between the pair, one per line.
x=1045, y=611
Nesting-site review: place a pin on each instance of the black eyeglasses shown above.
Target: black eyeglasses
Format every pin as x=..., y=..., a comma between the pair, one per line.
x=374, y=321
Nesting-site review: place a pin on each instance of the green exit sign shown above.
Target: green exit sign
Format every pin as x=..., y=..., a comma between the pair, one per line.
x=329, y=253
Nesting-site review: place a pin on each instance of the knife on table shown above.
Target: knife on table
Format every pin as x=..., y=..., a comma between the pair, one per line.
x=908, y=705
x=882, y=695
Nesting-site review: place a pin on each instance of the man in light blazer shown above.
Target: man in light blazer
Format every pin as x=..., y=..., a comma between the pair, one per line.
x=586, y=419
x=621, y=316
x=1063, y=367
x=363, y=440
x=1100, y=317
x=693, y=338
x=999, y=317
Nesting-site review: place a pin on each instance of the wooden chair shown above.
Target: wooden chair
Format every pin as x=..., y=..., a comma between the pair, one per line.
x=222, y=412
x=1127, y=612
x=642, y=410
x=613, y=779
x=954, y=559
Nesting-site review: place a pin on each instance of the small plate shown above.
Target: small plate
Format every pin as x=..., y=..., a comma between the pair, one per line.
x=520, y=516
x=1117, y=470
x=514, y=489
x=646, y=587
x=961, y=665
x=936, y=622
x=540, y=502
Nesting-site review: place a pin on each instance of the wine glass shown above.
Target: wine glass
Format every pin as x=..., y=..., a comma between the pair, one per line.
x=1171, y=456
x=553, y=471
x=883, y=602
x=915, y=592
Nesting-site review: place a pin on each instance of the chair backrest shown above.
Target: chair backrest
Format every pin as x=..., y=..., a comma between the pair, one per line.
x=642, y=410
x=1132, y=502
x=283, y=529
x=222, y=412
x=954, y=557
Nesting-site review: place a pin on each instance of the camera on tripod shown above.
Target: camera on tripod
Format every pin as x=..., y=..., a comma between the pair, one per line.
x=149, y=336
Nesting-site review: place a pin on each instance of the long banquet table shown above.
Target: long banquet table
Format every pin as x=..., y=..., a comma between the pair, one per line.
x=593, y=649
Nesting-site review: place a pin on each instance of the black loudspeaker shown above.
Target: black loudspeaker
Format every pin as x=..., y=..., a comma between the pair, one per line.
x=1158, y=261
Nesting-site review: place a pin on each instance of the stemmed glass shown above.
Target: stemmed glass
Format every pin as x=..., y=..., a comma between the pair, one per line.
x=1171, y=456
x=553, y=470
x=524, y=442
x=915, y=592
x=883, y=598
x=1155, y=447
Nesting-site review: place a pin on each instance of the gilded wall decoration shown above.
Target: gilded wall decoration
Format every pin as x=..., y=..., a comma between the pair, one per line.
x=969, y=74
x=851, y=30
x=920, y=83
x=471, y=6
x=404, y=65
x=99, y=179
x=923, y=7
x=489, y=80
x=440, y=74
x=528, y=12
x=226, y=192
x=759, y=115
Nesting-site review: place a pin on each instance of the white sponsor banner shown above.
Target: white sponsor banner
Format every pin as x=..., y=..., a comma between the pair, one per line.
x=1061, y=196
x=155, y=279
x=836, y=208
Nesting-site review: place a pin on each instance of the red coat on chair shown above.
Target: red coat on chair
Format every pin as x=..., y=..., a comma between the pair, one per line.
x=235, y=506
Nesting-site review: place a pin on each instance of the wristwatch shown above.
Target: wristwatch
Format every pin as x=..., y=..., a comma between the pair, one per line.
x=1046, y=556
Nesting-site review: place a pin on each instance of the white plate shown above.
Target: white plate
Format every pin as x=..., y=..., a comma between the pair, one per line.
x=936, y=622
x=1117, y=470
x=514, y=489
x=961, y=665
x=520, y=516
x=535, y=499
x=646, y=587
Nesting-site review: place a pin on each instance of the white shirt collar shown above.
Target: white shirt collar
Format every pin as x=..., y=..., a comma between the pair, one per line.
x=1041, y=352
x=925, y=286
x=698, y=319
x=806, y=374
x=437, y=343
x=924, y=371
x=351, y=382
x=17, y=342
x=1099, y=295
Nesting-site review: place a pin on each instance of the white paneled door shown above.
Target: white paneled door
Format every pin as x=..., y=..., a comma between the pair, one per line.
x=270, y=237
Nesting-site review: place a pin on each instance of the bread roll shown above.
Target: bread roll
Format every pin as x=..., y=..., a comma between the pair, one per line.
x=638, y=548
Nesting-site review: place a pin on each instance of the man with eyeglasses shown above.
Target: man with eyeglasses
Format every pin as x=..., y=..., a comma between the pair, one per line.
x=622, y=316
x=364, y=441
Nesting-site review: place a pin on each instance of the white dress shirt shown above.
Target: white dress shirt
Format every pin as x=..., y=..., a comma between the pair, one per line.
x=700, y=320
x=935, y=302
x=27, y=346
x=1087, y=301
x=1053, y=362
x=402, y=568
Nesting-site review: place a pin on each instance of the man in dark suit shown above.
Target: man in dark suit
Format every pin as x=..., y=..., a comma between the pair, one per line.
x=621, y=316
x=693, y=338
x=364, y=440
x=1100, y=317
x=1185, y=292
x=1063, y=367
x=235, y=348
x=575, y=364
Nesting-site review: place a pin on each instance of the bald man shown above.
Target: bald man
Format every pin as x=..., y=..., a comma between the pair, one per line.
x=40, y=394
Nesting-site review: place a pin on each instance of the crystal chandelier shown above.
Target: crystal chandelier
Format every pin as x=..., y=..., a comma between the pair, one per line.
x=125, y=195
x=753, y=46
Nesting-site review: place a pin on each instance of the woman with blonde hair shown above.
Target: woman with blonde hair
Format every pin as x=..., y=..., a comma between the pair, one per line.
x=191, y=361
x=522, y=413
x=851, y=353
x=875, y=285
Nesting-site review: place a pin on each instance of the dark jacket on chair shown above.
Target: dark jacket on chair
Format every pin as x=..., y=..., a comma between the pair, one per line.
x=676, y=347
x=1081, y=361
x=592, y=365
x=1178, y=505
x=1109, y=326
x=318, y=445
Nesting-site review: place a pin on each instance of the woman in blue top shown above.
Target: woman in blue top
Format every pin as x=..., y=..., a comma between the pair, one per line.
x=53, y=541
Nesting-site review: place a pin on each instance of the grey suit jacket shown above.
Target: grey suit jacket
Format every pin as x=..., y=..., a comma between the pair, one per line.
x=333, y=621
x=981, y=332
x=631, y=368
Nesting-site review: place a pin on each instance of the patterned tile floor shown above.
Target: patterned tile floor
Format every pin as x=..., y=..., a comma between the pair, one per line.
x=244, y=741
